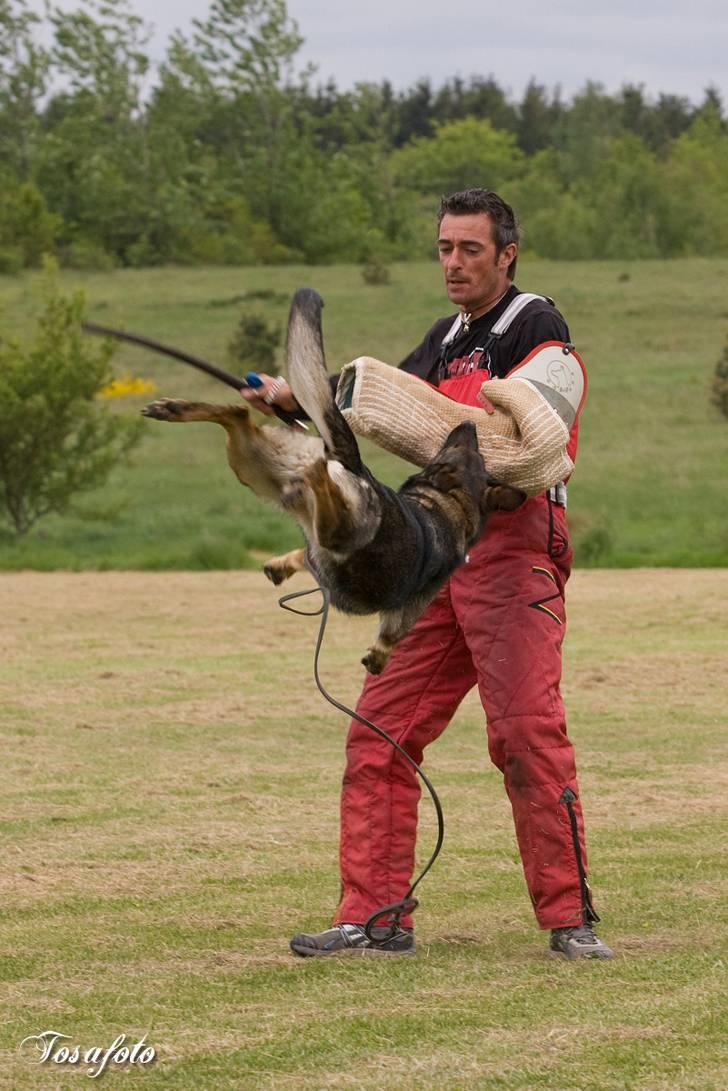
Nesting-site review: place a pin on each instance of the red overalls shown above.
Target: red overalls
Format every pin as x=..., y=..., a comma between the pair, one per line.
x=499, y=623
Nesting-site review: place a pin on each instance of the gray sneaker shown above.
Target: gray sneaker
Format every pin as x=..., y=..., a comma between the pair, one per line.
x=578, y=942
x=351, y=939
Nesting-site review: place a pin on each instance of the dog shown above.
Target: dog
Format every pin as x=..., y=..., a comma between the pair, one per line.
x=376, y=550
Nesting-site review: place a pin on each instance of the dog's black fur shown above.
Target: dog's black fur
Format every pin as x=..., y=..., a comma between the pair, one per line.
x=374, y=549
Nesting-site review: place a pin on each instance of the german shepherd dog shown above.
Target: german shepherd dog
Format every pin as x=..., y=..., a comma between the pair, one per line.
x=374, y=549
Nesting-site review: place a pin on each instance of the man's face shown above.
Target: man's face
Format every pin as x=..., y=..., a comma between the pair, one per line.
x=474, y=275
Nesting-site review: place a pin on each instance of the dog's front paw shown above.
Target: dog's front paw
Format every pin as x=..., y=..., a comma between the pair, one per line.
x=275, y=572
x=375, y=660
x=278, y=569
x=165, y=409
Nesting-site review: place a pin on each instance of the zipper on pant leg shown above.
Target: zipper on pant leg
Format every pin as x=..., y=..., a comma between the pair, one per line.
x=568, y=798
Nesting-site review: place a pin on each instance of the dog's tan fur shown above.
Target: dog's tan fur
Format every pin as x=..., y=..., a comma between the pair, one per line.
x=360, y=534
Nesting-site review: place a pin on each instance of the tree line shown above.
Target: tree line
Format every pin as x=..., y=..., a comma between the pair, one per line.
x=226, y=152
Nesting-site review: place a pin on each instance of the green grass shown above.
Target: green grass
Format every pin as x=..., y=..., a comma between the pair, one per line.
x=169, y=819
x=650, y=483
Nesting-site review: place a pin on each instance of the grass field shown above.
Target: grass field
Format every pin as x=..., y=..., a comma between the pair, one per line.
x=169, y=819
x=650, y=484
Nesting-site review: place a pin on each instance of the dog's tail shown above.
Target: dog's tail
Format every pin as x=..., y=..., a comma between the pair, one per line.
x=310, y=381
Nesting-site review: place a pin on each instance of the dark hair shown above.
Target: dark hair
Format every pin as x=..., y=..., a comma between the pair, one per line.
x=504, y=226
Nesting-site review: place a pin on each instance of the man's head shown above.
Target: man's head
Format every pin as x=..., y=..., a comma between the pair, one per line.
x=478, y=247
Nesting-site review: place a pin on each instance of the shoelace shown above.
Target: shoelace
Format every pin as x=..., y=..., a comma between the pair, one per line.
x=584, y=933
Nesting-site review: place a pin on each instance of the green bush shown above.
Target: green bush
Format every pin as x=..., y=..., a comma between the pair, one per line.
x=11, y=261
x=594, y=546
x=375, y=271
x=86, y=254
x=719, y=386
x=26, y=225
x=56, y=439
x=254, y=341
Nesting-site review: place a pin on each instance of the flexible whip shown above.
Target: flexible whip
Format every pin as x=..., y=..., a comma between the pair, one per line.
x=409, y=903
x=186, y=358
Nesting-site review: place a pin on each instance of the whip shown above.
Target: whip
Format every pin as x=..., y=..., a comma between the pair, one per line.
x=251, y=379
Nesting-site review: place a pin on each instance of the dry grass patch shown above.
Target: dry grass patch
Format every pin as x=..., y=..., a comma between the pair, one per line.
x=169, y=818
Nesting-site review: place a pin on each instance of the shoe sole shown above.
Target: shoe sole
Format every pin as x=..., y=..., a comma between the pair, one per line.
x=579, y=955
x=362, y=952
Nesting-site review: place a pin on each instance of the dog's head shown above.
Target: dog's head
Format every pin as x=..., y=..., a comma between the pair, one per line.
x=460, y=465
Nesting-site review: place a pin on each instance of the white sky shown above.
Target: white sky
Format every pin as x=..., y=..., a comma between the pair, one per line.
x=666, y=45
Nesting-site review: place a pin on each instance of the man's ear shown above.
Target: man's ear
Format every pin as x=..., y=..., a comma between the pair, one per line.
x=507, y=254
x=501, y=498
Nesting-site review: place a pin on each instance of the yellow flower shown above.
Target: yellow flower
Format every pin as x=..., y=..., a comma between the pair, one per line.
x=127, y=384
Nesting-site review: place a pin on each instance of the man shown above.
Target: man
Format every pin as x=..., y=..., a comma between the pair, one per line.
x=498, y=623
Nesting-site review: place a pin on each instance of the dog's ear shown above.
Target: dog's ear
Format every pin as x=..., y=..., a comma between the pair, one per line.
x=496, y=497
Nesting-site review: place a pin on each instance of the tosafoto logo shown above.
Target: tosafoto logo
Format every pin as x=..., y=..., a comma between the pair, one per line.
x=56, y=1048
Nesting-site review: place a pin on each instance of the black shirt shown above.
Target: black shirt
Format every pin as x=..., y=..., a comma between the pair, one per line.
x=538, y=322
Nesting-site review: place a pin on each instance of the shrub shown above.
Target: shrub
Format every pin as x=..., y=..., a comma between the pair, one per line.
x=11, y=261
x=374, y=271
x=254, y=341
x=26, y=225
x=719, y=386
x=56, y=439
x=83, y=253
x=594, y=546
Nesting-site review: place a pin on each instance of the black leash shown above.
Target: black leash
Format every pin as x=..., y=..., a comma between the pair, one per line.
x=408, y=904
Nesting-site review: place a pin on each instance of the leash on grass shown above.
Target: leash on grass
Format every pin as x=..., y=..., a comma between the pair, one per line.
x=408, y=903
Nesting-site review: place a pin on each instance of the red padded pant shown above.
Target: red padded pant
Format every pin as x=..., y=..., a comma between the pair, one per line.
x=499, y=623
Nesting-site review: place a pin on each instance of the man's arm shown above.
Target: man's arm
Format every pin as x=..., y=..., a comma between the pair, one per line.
x=421, y=362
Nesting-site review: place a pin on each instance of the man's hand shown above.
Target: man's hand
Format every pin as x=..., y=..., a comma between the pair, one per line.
x=272, y=391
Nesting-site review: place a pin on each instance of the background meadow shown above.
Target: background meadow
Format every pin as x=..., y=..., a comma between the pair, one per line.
x=649, y=488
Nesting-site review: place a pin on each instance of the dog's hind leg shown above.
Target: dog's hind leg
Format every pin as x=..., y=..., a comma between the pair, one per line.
x=242, y=435
x=393, y=626
x=335, y=524
x=233, y=418
x=278, y=569
x=177, y=412
x=251, y=451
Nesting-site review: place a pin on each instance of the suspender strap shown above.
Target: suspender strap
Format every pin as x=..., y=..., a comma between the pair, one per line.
x=557, y=494
x=511, y=312
x=513, y=309
x=452, y=332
